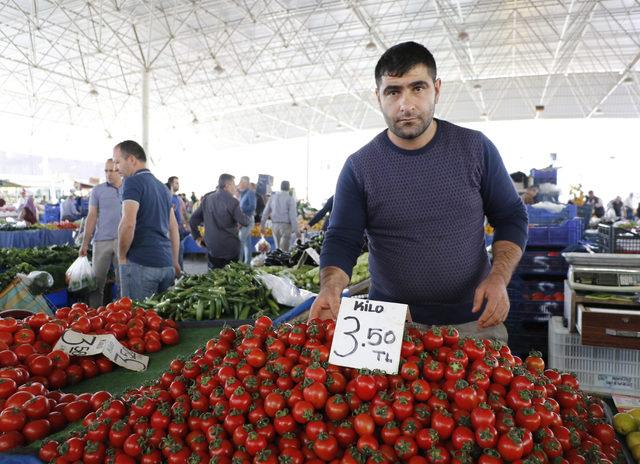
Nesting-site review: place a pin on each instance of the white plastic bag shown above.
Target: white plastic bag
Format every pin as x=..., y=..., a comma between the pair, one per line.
x=80, y=275
x=284, y=291
x=263, y=246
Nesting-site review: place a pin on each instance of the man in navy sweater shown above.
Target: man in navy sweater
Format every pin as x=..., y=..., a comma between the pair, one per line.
x=420, y=190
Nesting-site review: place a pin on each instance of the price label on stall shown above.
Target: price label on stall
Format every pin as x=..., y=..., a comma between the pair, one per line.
x=79, y=344
x=368, y=334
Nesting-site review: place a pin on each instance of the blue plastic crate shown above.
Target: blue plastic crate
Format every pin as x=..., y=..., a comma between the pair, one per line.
x=541, y=216
x=58, y=299
x=544, y=176
x=565, y=234
x=51, y=213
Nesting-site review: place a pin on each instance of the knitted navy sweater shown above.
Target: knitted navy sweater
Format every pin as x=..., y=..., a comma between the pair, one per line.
x=423, y=212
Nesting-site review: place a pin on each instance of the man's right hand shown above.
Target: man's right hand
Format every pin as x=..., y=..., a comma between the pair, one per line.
x=83, y=250
x=326, y=305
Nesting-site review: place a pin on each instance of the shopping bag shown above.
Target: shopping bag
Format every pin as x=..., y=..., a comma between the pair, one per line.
x=263, y=246
x=80, y=275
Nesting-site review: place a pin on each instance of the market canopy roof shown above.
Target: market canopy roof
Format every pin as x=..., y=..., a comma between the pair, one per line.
x=272, y=69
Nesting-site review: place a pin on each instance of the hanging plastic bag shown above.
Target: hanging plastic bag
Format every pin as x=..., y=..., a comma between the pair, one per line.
x=263, y=246
x=80, y=275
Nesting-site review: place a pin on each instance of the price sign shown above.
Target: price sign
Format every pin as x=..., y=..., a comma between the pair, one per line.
x=79, y=344
x=368, y=334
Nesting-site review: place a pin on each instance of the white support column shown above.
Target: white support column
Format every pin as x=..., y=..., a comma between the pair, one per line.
x=145, y=112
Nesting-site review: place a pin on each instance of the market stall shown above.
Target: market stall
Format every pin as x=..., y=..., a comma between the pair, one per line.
x=35, y=238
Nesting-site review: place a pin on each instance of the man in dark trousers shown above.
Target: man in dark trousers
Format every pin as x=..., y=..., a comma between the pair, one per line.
x=222, y=217
x=421, y=190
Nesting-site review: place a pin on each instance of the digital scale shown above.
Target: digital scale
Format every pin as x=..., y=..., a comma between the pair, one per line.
x=603, y=272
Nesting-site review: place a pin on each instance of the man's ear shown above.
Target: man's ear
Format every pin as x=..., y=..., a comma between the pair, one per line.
x=436, y=86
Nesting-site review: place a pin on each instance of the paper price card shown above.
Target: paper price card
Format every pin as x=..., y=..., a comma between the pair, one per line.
x=79, y=344
x=368, y=335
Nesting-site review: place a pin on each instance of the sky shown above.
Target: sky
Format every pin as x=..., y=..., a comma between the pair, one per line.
x=601, y=154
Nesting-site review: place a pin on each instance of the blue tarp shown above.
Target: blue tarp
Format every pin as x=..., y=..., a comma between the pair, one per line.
x=35, y=238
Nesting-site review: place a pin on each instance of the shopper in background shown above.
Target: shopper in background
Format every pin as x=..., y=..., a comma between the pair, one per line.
x=616, y=204
x=248, y=206
x=148, y=237
x=596, y=204
x=260, y=204
x=105, y=212
x=281, y=208
x=180, y=211
x=328, y=206
x=629, y=204
x=68, y=210
x=26, y=208
x=2, y=202
x=221, y=214
x=421, y=190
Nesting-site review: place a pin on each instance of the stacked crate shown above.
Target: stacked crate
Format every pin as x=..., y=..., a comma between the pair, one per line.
x=536, y=290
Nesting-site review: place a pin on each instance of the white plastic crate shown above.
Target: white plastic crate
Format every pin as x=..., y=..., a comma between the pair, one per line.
x=599, y=370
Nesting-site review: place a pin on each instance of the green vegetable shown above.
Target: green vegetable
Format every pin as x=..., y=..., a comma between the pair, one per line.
x=231, y=292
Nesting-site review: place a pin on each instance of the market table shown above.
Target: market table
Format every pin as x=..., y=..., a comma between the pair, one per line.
x=35, y=238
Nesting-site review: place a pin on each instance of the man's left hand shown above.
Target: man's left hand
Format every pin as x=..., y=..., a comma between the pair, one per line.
x=494, y=290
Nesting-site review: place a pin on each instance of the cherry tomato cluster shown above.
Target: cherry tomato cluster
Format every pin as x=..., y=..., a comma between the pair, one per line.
x=265, y=395
x=26, y=345
x=31, y=412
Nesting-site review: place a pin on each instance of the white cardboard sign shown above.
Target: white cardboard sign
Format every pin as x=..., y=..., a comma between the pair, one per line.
x=368, y=335
x=79, y=344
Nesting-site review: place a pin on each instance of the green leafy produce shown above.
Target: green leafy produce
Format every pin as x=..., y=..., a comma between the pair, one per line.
x=232, y=292
x=55, y=260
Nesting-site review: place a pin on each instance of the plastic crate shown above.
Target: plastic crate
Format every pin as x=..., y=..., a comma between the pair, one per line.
x=542, y=262
x=58, y=299
x=563, y=235
x=51, y=213
x=541, y=216
x=599, y=370
x=538, y=311
x=535, y=290
x=544, y=176
x=618, y=240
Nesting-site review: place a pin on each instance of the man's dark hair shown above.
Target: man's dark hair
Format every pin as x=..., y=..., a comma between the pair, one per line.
x=399, y=59
x=224, y=179
x=131, y=148
x=284, y=186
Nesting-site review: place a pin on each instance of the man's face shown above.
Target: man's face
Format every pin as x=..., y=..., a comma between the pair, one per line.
x=123, y=165
x=231, y=187
x=175, y=185
x=408, y=102
x=110, y=172
x=243, y=185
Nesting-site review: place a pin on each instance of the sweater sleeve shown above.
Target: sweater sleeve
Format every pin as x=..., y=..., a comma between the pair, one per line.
x=345, y=235
x=502, y=205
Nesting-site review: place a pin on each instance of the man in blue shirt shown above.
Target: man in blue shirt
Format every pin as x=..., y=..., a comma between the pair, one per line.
x=180, y=211
x=248, y=207
x=421, y=190
x=105, y=210
x=148, y=238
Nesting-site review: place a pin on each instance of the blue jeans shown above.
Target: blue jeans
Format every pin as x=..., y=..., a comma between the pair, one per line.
x=139, y=282
x=245, y=243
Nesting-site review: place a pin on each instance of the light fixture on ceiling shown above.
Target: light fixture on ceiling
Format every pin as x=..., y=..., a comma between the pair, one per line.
x=477, y=87
x=219, y=69
x=599, y=111
x=627, y=80
x=294, y=103
x=195, y=119
x=371, y=46
x=539, y=109
x=463, y=36
x=109, y=136
x=484, y=116
x=93, y=92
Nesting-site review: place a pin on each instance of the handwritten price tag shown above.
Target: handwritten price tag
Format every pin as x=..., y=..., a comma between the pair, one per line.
x=368, y=334
x=79, y=344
